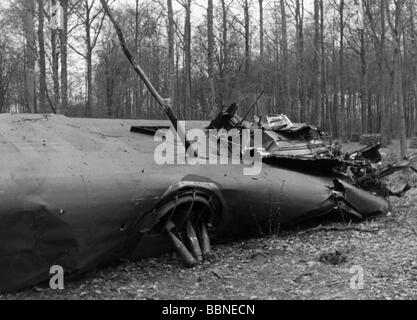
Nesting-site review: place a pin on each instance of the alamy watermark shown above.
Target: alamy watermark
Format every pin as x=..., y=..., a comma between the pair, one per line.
x=56, y=282
x=357, y=282
x=211, y=147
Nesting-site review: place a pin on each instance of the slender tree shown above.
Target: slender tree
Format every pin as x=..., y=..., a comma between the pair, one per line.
x=397, y=32
x=261, y=29
x=246, y=8
x=299, y=25
x=42, y=59
x=92, y=20
x=171, y=53
x=210, y=57
x=187, y=58
x=342, y=93
x=30, y=55
x=62, y=107
x=285, y=59
x=315, y=115
x=55, y=60
x=224, y=54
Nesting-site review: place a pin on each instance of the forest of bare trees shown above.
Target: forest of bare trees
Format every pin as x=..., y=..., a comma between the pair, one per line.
x=315, y=60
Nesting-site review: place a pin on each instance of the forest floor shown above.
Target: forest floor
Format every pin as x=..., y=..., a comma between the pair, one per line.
x=288, y=266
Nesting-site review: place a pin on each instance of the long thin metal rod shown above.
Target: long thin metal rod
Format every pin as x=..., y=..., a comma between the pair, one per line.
x=182, y=250
x=194, y=244
x=251, y=108
x=164, y=103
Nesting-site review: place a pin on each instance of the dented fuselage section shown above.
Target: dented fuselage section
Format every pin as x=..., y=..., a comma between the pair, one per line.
x=81, y=193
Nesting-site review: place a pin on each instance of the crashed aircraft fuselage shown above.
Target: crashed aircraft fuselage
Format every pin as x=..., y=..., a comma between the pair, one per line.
x=81, y=193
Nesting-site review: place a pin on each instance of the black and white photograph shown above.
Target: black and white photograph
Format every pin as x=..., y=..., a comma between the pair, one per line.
x=225, y=152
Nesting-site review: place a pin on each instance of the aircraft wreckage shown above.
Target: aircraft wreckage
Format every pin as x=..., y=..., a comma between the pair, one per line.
x=83, y=193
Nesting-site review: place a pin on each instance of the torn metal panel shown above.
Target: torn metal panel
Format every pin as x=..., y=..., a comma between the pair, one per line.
x=301, y=147
x=281, y=137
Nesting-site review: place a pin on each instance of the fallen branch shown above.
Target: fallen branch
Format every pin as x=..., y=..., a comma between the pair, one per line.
x=338, y=229
x=216, y=275
x=335, y=283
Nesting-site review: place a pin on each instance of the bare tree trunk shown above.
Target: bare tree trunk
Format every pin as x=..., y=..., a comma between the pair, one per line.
x=187, y=62
x=285, y=59
x=325, y=96
x=62, y=107
x=342, y=113
x=225, y=55
x=379, y=37
x=247, y=37
x=42, y=62
x=224, y=34
x=137, y=92
x=299, y=22
x=398, y=76
x=30, y=55
x=334, y=91
x=364, y=89
x=414, y=59
x=55, y=64
x=171, y=54
x=210, y=36
x=261, y=29
x=89, y=62
x=261, y=102
x=5, y=78
x=316, y=65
